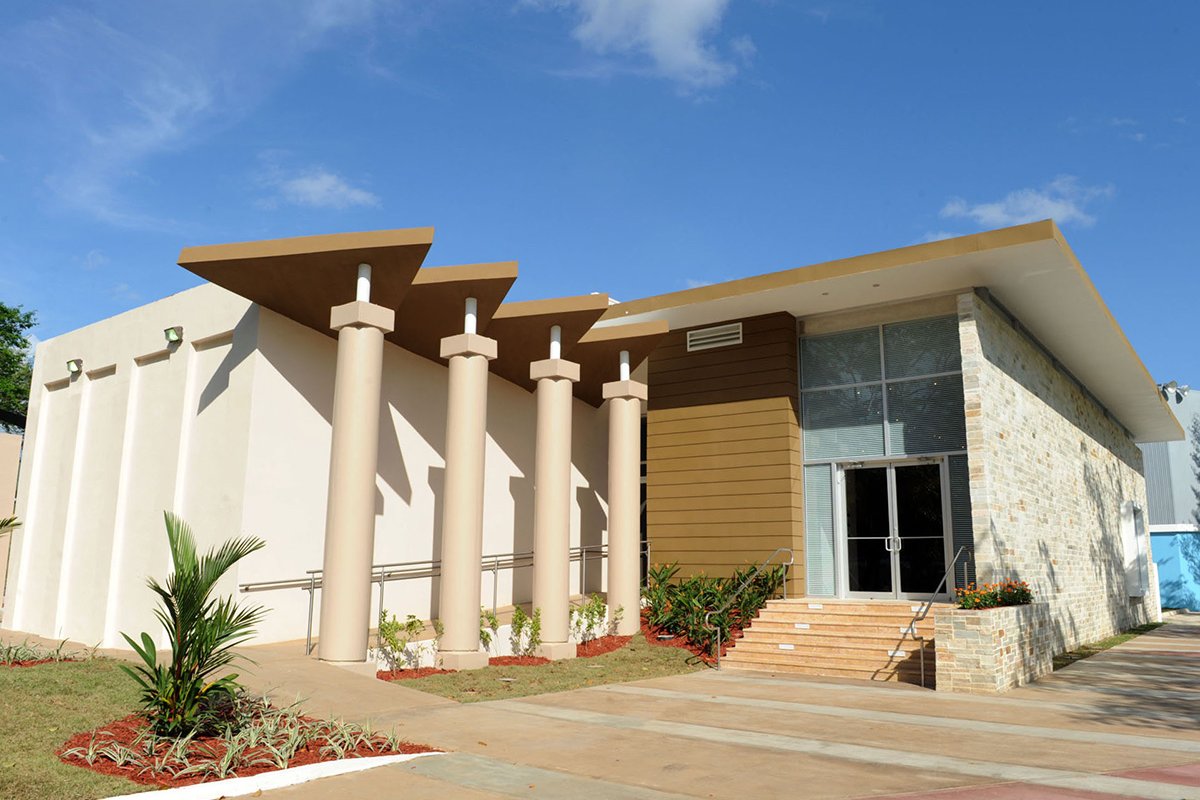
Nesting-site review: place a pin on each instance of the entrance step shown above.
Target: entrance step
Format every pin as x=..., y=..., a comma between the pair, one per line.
x=869, y=640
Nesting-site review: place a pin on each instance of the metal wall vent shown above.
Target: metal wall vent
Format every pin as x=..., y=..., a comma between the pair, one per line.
x=718, y=336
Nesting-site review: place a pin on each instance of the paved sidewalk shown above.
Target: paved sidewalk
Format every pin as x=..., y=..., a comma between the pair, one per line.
x=1125, y=723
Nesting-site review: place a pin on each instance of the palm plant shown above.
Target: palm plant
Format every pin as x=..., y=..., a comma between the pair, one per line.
x=180, y=697
x=9, y=523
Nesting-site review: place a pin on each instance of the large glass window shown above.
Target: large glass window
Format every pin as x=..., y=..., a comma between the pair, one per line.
x=889, y=390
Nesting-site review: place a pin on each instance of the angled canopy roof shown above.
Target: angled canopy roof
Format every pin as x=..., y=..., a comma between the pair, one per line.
x=599, y=354
x=302, y=278
x=1030, y=269
x=522, y=331
x=435, y=304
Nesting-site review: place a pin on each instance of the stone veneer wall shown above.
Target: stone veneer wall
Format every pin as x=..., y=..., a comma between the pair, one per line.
x=993, y=650
x=1049, y=472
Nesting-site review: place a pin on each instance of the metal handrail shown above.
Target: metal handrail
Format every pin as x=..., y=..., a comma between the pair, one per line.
x=738, y=591
x=411, y=570
x=924, y=611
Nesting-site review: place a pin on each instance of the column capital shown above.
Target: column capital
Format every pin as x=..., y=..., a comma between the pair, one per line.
x=360, y=314
x=632, y=390
x=468, y=344
x=556, y=368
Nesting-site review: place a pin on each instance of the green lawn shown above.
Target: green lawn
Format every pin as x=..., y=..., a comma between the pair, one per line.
x=634, y=662
x=40, y=708
x=1071, y=656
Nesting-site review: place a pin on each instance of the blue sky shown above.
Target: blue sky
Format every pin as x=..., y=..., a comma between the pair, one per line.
x=628, y=146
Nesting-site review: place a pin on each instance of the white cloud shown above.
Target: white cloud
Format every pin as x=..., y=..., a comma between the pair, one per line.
x=1064, y=199
x=309, y=186
x=666, y=38
x=124, y=293
x=937, y=236
x=120, y=87
x=694, y=283
x=94, y=259
x=317, y=187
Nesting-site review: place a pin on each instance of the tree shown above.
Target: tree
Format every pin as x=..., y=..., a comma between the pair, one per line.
x=16, y=368
x=1196, y=468
x=181, y=696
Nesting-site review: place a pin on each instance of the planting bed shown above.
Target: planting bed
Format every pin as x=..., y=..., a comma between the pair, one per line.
x=410, y=674
x=600, y=646
x=651, y=635
x=33, y=662
x=517, y=661
x=127, y=748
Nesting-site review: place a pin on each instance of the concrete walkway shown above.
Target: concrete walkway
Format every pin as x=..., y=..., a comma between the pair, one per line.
x=1125, y=723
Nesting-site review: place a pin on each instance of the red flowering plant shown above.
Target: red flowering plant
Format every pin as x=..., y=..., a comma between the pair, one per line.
x=994, y=595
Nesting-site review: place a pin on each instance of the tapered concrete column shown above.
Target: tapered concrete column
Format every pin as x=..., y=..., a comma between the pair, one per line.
x=552, y=504
x=462, y=500
x=350, y=514
x=624, y=501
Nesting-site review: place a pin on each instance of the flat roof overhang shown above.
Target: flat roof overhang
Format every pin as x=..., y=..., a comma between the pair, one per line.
x=303, y=277
x=1030, y=269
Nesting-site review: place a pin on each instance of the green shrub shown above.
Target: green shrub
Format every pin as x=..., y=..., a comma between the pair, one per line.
x=489, y=626
x=186, y=695
x=526, y=634
x=396, y=636
x=679, y=607
x=588, y=618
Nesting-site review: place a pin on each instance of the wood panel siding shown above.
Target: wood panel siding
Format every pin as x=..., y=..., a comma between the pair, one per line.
x=724, y=469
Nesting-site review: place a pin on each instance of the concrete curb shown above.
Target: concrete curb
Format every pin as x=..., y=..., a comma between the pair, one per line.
x=276, y=779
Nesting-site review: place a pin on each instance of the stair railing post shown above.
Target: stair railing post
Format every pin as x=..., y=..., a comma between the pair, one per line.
x=496, y=581
x=312, y=593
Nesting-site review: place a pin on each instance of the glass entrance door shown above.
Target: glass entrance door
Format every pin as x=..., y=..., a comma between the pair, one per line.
x=895, y=530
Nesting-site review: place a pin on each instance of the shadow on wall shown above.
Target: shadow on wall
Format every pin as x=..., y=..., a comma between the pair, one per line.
x=242, y=347
x=520, y=488
x=593, y=522
x=1178, y=559
x=1083, y=579
x=1072, y=409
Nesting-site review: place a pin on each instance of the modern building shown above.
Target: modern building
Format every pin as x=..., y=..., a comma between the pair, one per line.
x=1173, y=489
x=964, y=408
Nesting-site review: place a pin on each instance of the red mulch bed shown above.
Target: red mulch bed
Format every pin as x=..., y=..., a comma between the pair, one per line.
x=601, y=645
x=517, y=661
x=409, y=674
x=682, y=643
x=33, y=662
x=125, y=731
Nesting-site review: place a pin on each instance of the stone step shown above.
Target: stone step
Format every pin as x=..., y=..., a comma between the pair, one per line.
x=897, y=606
x=771, y=652
x=806, y=640
x=886, y=620
x=824, y=627
x=894, y=675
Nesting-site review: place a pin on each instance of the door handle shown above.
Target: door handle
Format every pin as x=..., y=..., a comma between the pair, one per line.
x=887, y=544
x=899, y=544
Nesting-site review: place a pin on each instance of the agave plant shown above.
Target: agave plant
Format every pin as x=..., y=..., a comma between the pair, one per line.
x=179, y=697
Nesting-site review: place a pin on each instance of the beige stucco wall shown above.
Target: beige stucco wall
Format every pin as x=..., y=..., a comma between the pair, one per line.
x=1049, y=474
x=231, y=429
x=288, y=467
x=109, y=450
x=10, y=463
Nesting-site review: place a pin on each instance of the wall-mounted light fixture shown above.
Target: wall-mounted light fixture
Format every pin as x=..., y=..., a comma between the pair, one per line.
x=1173, y=391
x=173, y=334
x=75, y=366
